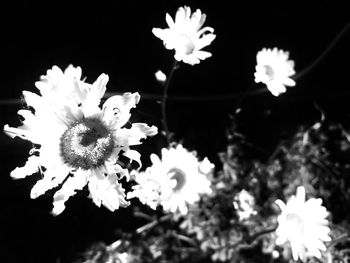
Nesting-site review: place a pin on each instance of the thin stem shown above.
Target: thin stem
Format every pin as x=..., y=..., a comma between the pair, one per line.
x=323, y=54
x=242, y=97
x=251, y=238
x=153, y=223
x=165, y=96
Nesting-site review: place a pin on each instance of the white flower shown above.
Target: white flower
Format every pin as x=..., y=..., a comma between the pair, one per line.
x=78, y=143
x=186, y=35
x=244, y=204
x=274, y=69
x=174, y=181
x=303, y=224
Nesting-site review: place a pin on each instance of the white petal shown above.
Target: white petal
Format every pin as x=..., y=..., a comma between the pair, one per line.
x=52, y=178
x=76, y=182
x=169, y=20
x=202, y=54
x=133, y=155
x=139, y=131
x=31, y=167
x=108, y=192
x=281, y=204
x=206, y=166
x=116, y=109
x=32, y=99
x=300, y=195
x=96, y=92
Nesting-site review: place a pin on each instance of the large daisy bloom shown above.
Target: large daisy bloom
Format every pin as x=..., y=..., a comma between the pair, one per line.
x=303, y=224
x=174, y=181
x=186, y=35
x=76, y=143
x=274, y=69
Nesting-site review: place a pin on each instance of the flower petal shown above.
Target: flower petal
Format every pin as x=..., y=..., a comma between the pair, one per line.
x=52, y=178
x=107, y=191
x=116, y=109
x=32, y=166
x=73, y=183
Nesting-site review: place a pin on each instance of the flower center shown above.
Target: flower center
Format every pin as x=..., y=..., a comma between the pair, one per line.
x=269, y=72
x=184, y=44
x=295, y=224
x=178, y=178
x=86, y=144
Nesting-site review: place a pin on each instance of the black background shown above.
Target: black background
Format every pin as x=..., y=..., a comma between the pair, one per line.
x=115, y=38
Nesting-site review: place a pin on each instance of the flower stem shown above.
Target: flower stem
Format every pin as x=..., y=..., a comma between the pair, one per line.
x=165, y=96
x=323, y=54
x=153, y=223
x=242, y=97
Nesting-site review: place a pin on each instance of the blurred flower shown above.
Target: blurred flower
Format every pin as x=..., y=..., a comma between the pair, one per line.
x=303, y=224
x=160, y=76
x=147, y=190
x=78, y=142
x=274, y=69
x=175, y=180
x=222, y=246
x=186, y=35
x=244, y=204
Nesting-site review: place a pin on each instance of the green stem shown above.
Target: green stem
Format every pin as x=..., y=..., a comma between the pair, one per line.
x=165, y=96
x=323, y=54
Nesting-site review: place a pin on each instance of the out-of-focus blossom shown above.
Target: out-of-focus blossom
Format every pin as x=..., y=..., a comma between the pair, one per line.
x=274, y=69
x=244, y=204
x=303, y=224
x=174, y=181
x=78, y=143
x=160, y=76
x=186, y=36
x=222, y=245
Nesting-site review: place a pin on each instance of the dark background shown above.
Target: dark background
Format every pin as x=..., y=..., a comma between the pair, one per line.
x=115, y=38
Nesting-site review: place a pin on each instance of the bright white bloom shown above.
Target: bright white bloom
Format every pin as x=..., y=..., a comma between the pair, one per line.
x=186, y=35
x=78, y=143
x=160, y=76
x=174, y=181
x=303, y=224
x=244, y=204
x=274, y=69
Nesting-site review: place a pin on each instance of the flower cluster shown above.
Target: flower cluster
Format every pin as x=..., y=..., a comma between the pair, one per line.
x=233, y=213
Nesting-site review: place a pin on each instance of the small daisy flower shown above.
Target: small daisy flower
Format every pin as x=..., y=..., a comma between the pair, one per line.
x=274, y=69
x=174, y=181
x=244, y=204
x=76, y=142
x=186, y=35
x=303, y=224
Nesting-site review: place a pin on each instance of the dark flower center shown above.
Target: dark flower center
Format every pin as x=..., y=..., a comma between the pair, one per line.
x=179, y=177
x=295, y=222
x=86, y=144
x=269, y=72
x=185, y=44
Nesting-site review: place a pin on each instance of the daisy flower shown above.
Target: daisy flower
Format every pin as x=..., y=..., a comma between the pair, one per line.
x=303, y=224
x=186, y=35
x=76, y=143
x=274, y=69
x=174, y=181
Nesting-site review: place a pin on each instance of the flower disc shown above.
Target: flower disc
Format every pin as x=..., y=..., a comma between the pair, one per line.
x=86, y=144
